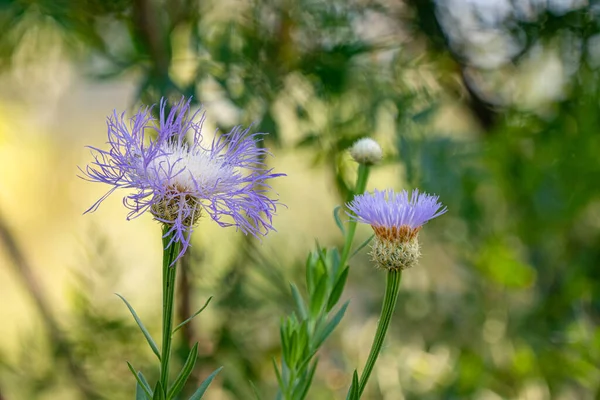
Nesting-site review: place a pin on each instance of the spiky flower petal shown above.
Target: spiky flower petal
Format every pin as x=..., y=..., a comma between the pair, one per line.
x=178, y=178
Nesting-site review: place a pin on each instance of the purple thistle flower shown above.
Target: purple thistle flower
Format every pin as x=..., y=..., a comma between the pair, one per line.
x=177, y=181
x=396, y=220
x=389, y=209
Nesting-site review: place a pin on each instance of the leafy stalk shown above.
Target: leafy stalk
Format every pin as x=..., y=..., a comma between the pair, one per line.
x=162, y=390
x=306, y=329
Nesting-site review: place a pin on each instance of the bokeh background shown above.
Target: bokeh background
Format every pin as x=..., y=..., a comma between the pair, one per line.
x=493, y=105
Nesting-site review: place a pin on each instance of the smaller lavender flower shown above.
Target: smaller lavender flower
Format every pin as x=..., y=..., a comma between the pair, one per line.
x=396, y=220
x=177, y=181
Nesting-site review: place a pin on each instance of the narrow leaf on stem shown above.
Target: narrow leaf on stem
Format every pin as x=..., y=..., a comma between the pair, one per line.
x=140, y=381
x=277, y=374
x=181, y=325
x=143, y=389
x=149, y=339
x=363, y=244
x=354, y=395
x=338, y=221
x=331, y=325
x=308, y=380
x=299, y=301
x=338, y=288
x=140, y=393
x=318, y=297
x=183, y=376
x=200, y=392
x=159, y=392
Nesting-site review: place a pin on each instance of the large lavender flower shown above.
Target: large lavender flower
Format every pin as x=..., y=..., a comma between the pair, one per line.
x=177, y=181
x=396, y=220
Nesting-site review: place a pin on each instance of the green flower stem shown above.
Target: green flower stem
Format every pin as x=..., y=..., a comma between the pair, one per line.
x=389, y=304
x=169, y=274
x=361, y=184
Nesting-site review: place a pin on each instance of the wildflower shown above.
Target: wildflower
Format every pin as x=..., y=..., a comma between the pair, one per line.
x=177, y=181
x=366, y=151
x=396, y=221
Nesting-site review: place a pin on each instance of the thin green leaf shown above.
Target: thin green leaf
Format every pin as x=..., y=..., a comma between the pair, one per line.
x=338, y=221
x=284, y=335
x=193, y=316
x=159, y=393
x=143, y=379
x=200, y=392
x=354, y=394
x=311, y=260
x=338, y=288
x=304, y=363
x=308, y=380
x=299, y=301
x=140, y=394
x=141, y=390
x=363, y=244
x=141, y=382
x=293, y=348
x=334, y=263
x=317, y=268
x=142, y=327
x=322, y=266
x=278, y=374
x=332, y=324
x=183, y=376
x=318, y=297
x=303, y=339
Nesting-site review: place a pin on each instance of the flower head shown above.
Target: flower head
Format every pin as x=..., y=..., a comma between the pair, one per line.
x=396, y=220
x=366, y=151
x=177, y=181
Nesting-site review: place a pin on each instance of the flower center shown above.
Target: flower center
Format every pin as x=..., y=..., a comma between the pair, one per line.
x=192, y=170
x=169, y=209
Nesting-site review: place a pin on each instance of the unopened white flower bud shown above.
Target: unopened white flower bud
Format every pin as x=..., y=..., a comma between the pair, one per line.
x=366, y=151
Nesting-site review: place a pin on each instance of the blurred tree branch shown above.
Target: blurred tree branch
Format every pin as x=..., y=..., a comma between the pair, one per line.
x=426, y=25
x=61, y=346
x=149, y=29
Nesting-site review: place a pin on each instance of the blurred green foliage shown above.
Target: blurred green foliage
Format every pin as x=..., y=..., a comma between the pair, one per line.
x=521, y=241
